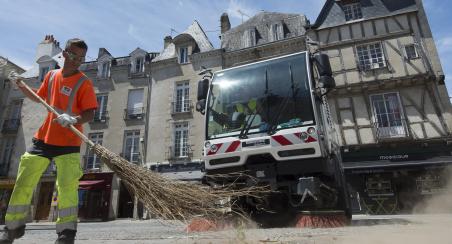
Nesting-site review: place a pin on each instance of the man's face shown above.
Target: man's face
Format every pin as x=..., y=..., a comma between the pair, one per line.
x=74, y=56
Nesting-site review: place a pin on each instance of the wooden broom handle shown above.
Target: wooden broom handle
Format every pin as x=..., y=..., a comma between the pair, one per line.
x=51, y=109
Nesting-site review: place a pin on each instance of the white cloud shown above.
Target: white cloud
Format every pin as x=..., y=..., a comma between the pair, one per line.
x=445, y=44
x=236, y=6
x=134, y=32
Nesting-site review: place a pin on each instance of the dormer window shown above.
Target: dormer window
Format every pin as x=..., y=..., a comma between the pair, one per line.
x=139, y=65
x=352, y=11
x=277, y=32
x=42, y=72
x=249, y=38
x=104, y=70
x=183, y=55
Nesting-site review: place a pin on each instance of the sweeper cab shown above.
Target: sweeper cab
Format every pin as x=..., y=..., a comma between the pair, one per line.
x=268, y=123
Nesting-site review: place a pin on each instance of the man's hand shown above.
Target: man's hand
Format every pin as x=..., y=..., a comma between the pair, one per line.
x=65, y=120
x=16, y=78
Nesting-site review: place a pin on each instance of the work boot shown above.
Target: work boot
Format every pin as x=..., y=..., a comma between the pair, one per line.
x=66, y=237
x=8, y=235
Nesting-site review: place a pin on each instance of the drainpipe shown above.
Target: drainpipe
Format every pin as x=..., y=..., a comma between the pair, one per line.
x=146, y=125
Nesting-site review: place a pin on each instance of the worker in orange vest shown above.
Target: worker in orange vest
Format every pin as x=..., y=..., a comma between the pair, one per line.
x=72, y=94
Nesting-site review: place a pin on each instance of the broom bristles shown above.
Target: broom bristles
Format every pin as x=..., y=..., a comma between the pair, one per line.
x=172, y=199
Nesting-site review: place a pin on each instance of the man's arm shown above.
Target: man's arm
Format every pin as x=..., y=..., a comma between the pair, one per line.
x=26, y=92
x=85, y=116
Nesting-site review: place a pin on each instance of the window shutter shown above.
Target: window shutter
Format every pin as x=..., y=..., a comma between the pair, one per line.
x=280, y=31
x=99, y=70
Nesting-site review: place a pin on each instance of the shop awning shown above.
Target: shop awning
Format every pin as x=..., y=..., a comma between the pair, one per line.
x=89, y=184
x=7, y=183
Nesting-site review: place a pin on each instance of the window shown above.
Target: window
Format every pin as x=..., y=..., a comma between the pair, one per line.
x=12, y=122
x=388, y=118
x=139, y=65
x=131, y=146
x=371, y=56
x=277, y=32
x=182, y=103
x=352, y=11
x=92, y=161
x=183, y=55
x=181, y=140
x=105, y=70
x=135, y=109
x=42, y=72
x=249, y=38
x=411, y=52
x=101, y=112
x=5, y=155
x=16, y=108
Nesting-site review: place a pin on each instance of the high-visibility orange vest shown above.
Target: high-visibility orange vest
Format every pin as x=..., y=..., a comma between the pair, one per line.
x=71, y=95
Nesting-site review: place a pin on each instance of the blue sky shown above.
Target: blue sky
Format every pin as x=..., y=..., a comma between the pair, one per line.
x=122, y=26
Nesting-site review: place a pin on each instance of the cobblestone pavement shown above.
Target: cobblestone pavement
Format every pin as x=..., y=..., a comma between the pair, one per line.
x=412, y=229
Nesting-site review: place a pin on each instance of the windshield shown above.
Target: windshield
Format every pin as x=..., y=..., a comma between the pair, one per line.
x=260, y=96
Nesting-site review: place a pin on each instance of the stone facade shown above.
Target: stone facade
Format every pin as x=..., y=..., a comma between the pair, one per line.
x=10, y=112
x=176, y=129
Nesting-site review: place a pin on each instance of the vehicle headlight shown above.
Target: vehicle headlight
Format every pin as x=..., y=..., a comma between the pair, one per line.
x=207, y=144
x=303, y=136
x=213, y=148
x=311, y=130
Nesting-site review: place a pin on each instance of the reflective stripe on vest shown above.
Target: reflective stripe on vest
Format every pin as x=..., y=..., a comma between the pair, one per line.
x=66, y=226
x=14, y=209
x=71, y=96
x=66, y=212
x=49, y=85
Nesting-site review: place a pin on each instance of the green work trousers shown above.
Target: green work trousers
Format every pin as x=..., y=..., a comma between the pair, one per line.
x=31, y=168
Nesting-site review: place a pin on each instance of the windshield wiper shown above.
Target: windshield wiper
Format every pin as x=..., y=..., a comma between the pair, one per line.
x=273, y=123
x=246, y=128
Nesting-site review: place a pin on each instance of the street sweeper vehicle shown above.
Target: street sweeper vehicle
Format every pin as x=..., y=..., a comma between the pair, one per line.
x=268, y=123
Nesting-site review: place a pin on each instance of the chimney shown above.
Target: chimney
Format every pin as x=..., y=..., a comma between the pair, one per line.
x=166, y=41
x=49, y=46
x=225, y=24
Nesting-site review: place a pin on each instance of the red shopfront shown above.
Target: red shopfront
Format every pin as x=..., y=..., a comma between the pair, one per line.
x=94, y=196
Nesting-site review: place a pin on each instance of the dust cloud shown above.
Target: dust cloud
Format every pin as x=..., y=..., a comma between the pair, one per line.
x=438, y=203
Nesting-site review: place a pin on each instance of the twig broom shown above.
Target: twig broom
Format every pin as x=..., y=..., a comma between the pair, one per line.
x=163, y=197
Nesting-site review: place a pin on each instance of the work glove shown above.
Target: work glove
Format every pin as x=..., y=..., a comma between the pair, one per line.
x=65, y=120
x=16, y=78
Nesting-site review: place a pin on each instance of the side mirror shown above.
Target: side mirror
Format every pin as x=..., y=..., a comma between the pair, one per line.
x=201, y=106
x=327, y=82
x=322, y=62
x=203, y=88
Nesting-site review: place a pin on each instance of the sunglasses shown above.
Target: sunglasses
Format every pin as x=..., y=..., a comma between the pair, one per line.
x=74, y=57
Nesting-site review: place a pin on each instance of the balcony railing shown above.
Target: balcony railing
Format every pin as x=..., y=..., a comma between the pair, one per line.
x=133, y=157
x=172, y=155
x=369, y=66
x=168, y=168
x=10, y=126
x=134, y=113
x=100, y=117
x=183, y=106
x=391, y=129
x=92, y=162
